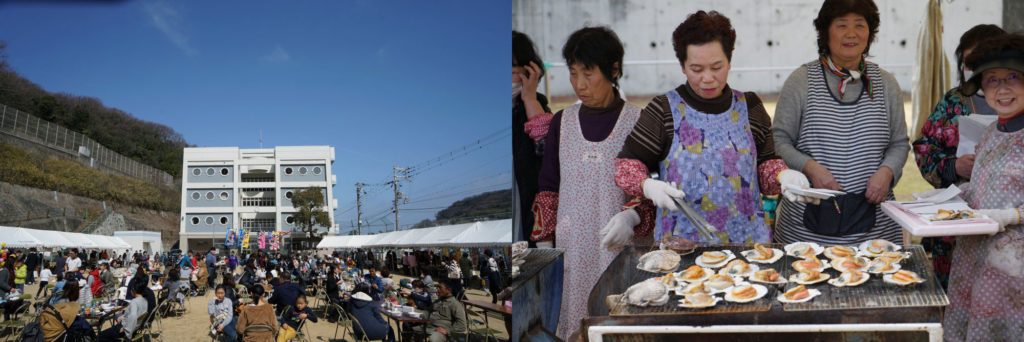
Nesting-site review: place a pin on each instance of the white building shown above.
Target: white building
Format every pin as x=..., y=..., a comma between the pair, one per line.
x=142, y=240
x=224, y=187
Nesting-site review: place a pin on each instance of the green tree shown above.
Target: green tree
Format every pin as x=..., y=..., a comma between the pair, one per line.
x=309, y=212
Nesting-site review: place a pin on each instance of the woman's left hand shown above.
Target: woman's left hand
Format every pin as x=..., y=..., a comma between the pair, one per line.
x=878, y=185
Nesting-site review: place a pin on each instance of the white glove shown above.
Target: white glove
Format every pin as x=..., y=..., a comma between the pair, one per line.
x=619, y=230
x=794, y=179
x=1005, y=217
x=661, y=193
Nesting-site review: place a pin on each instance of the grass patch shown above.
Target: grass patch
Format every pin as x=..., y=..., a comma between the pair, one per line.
x=68, y=176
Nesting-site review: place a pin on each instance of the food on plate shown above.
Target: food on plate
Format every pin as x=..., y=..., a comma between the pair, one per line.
x=646, y=293
x=797, y=293
x=849, y=263
x=850, y=278
x=659, y=261
x=767, y=276
x=840, y=251
x=713, y=257
x=764, y=253
x=719, y=282
x=678, y=244
x=743, y=292
x=947, y=215
x=810, y=263
x=736, y=267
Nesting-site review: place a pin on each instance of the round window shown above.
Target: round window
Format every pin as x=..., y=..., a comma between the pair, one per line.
x=197, y=172
x=223, y=220
x=288, y=195
x=209, y=171
x=302, y=170
x=316, y=170
x=287, y=170
x=224, y=171
x=209, y=220
x=289, y=219
x=196, y=196
x=195, y=221
x=223, y=195
x=209, y=195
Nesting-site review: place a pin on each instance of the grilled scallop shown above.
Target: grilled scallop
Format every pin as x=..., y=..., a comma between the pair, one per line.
x=659, y=261
x=713, y=257
x=797, y=293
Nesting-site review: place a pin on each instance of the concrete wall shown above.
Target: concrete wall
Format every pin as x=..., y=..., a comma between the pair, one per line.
x=773, y=36
x=137, y=238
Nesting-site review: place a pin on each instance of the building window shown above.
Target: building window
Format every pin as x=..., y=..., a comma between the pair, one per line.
x=209, y=220
x=197, y=172
x=224, y=171
x=289, y=219
x=223, y=195
x=302, y=170
x=316, y=170
x=209, y=171
x=195, y=221
x=209, y=195
x=288, y=194
x=196, y=195
x=223, y=220
x=287, y=170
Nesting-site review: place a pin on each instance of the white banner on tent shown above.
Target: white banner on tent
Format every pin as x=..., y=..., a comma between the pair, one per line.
x=476, y=234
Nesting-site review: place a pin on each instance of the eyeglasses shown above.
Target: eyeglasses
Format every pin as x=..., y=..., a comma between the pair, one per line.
x=1013, y=80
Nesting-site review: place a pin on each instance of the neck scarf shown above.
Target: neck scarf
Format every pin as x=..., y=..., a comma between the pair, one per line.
x=848, y=76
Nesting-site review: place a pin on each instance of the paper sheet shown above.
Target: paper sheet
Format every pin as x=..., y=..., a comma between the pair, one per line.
x=972, y=128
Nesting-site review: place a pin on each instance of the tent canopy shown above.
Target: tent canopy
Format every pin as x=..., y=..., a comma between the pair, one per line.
x=27, y=238
x=476, y=234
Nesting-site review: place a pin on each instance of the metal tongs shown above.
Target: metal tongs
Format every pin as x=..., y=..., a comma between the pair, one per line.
x=704, y=228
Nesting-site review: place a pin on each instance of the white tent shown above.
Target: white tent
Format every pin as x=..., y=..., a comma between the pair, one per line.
x=17, y=238
x=357, y=241
x=442, y=236
x=483, y=234
x=51, y=238
x=332, y=241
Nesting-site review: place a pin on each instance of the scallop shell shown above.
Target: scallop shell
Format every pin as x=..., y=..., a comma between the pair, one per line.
x=759, y=277
x=738, y=268
x=895, y=257
x=802, y=278
x=874, y=248
x=850, y=263
x=803, y=249
x=698, y=301
x=692, y=288
x=718, y=283
x=755, y=256
x=846, y=279
x=882, y=266
x=811, y=294
x=728, y=256
x=659, y=261
x=836, y=252
x=807, y=265
x=694, y=274
x=759, y=290
x=891, y=278
x=646, y=293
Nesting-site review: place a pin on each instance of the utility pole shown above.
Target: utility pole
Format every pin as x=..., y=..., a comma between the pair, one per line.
x=398, y=195
x=359, y=207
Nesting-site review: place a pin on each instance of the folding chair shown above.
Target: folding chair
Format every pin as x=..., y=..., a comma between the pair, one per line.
x=16, y=324
x=355, y=323
x=145, y=328
x=301, y=334
x=343, y=320
x=473, y=317
x=255, y=328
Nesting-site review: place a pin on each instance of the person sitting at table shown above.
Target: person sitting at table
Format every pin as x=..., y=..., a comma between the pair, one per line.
x=285, y=293
x=176, y=287
x=419, y=295
x=141, y=277
x=293, y=318
x=248, y=274
x=96, y=282
x=67, y=307
x=447, y=316
x=375, y=284
x=222, y=312
x=258, y=313
x=364, y=310
x=106, y=275
x=129, y=322
x=85, y=282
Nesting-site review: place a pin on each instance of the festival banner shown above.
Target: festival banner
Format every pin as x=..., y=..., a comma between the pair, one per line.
x=262, y=240
x=229, y=238
x=245, y=242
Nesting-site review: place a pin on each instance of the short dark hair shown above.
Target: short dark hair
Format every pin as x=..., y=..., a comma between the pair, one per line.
x=703, y=27
x=71, y=290
x=257, y=291
x=596, y=46
x=994, y=48
x=832, y=9
x=524, y=52
x=969, y=40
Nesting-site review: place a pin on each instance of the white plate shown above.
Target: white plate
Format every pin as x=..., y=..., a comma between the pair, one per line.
x=707, y=274
x=735, y=280
x=835, y=282
x=821, y=278
x=840, y=268
x=751, y=268
x=729, y=256
x=816, y=247
x=776, y=255
x=813, y=292
x=713, y=303
x=761, y=291
x=828, y=252
x=888, y=279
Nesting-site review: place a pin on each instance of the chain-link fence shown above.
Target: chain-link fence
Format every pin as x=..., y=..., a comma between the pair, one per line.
x=88, y=151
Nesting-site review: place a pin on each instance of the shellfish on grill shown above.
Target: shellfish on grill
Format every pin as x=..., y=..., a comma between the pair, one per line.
x=850, y=278
x=850, y=264
x=698, y=300
x=718, y=283
x=649, y=292
x=715, y=259
x=768, y=276
x=809, y=264
x=762, y=254
x=745, y=292
x=902, y=278
x=803, y=249
x=876, y=247
x=694, y=273
x=809, y=277
x=738, y=268
x=659, y=261
x=798, y=294
x=882, y=265
x=838, y=251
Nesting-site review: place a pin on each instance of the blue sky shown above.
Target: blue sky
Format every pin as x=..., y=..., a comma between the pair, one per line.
x=385, y=82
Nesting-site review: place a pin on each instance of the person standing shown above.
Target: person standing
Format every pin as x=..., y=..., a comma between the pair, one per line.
x=31, y=261
x=211, y=268
x=466, y=269
x=73, y=263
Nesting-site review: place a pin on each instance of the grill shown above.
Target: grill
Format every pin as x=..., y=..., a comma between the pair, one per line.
x=872, y=302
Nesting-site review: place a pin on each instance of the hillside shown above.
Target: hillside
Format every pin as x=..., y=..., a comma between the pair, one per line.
x=151, y=143
x=486, y=206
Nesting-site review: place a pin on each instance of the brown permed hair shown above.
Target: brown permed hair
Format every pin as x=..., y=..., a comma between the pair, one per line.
x=970, y=40
x=994, y=48
x=832, y=9
x=703, y=27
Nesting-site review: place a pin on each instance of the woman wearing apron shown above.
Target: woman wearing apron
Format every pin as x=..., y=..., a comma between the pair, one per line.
x=840, y=120
x=577, y=192
x=711, y=145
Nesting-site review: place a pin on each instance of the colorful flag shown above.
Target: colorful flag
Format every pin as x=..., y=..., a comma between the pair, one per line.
x=263, y=240
x=275, y=241
x=229, y=238
x=245, y=242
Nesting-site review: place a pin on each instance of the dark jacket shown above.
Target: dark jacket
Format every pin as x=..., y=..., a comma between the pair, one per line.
x=5, y=288
x=368, y=315
x=423, y=301
x=285, y=294
x=525, y=163
x=291, y=318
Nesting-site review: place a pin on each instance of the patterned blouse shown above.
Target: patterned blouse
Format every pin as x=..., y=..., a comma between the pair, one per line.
x=935, y=151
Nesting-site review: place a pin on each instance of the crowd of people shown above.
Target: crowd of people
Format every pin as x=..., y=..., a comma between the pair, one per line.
x=839, y=124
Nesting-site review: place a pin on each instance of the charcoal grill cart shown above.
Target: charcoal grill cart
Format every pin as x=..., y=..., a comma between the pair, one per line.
x=873, y=311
